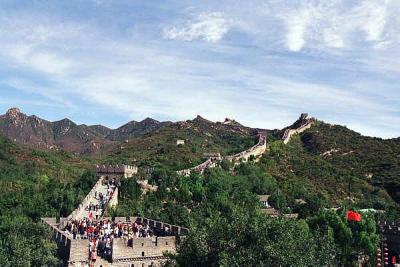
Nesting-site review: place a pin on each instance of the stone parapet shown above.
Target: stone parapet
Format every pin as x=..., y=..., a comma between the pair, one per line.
x=256, y=151
x=305, y=124
x=86, y=201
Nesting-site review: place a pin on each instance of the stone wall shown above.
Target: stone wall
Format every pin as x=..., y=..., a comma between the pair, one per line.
x=255, y=151
x=73, y=252
x=79, y=252
x=116, y=171
x=307, y=123
x=86, y=201
x=113, y=202
x=175, y=229
x=209, y=163
x=143, y=247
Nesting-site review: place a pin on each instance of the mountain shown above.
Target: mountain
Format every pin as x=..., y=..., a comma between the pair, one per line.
x=100, y=130
x=371, y=159
x=201, y=137
x=59, y=135
x=134, y=129
x=66, y=135
x=339, y=164
x=26, y=130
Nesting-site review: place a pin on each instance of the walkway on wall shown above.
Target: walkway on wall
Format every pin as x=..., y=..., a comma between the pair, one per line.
x=95, y=200
x=92, y=198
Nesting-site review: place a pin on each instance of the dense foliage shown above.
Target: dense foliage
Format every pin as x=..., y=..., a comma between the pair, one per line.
x=159, y=148
x=339, y=165
x=35, y=184
x=228, y=227
x=327, y=166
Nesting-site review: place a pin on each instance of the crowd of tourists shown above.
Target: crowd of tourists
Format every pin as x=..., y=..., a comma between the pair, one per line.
x=89, y=229
x=95, y=209
x=102, y=232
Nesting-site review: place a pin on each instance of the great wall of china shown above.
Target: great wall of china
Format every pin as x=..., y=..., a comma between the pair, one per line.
x=302, y=124
x=144, y=251
x=255, y=151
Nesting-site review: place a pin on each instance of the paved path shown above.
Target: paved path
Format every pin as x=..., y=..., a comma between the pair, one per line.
x=85, y=213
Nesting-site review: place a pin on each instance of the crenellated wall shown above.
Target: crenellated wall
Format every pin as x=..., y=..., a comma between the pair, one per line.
x=175, y=229
x=143, y=247
x=71, y=251
x=209, y=163
x=116, y=171
x=144, y=250
x=256, y=151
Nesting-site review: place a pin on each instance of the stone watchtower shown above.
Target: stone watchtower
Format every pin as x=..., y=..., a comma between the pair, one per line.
x=117, y=171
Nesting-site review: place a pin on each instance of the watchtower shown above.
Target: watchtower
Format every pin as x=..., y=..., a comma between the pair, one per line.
x=116, y=172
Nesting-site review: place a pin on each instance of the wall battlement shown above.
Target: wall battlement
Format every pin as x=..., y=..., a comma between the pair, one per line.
x=122, y=170
x=143, y=250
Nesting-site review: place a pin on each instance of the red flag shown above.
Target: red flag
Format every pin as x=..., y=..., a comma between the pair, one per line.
x=353, y=216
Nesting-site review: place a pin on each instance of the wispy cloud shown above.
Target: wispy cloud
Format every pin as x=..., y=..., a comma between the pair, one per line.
x=259, y=63
x=210, y=27
x=339, y=24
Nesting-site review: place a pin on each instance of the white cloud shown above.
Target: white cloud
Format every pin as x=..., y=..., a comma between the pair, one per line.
x=210, y=27
x=297, y=27
x=336, y=24
x=249, y=78
x=373, y=18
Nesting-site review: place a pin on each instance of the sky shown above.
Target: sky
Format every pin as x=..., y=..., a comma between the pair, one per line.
x=261, y=63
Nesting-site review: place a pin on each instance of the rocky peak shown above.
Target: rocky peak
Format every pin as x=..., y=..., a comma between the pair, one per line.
x=13, y=112
x=65, y=121
x=201, y=119
x=149, y=121
x=15, y=117
x=63, y=126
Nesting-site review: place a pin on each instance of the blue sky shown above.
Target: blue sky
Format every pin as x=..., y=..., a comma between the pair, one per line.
x=259, y=62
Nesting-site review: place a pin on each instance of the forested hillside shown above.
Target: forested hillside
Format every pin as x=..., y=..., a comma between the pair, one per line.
x=36, y=184
x=326, y=166
x=339, y=164
x=371, y=159
x=201, y=137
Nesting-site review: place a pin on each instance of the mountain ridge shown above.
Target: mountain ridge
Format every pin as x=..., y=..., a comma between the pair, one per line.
x=93, y=140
